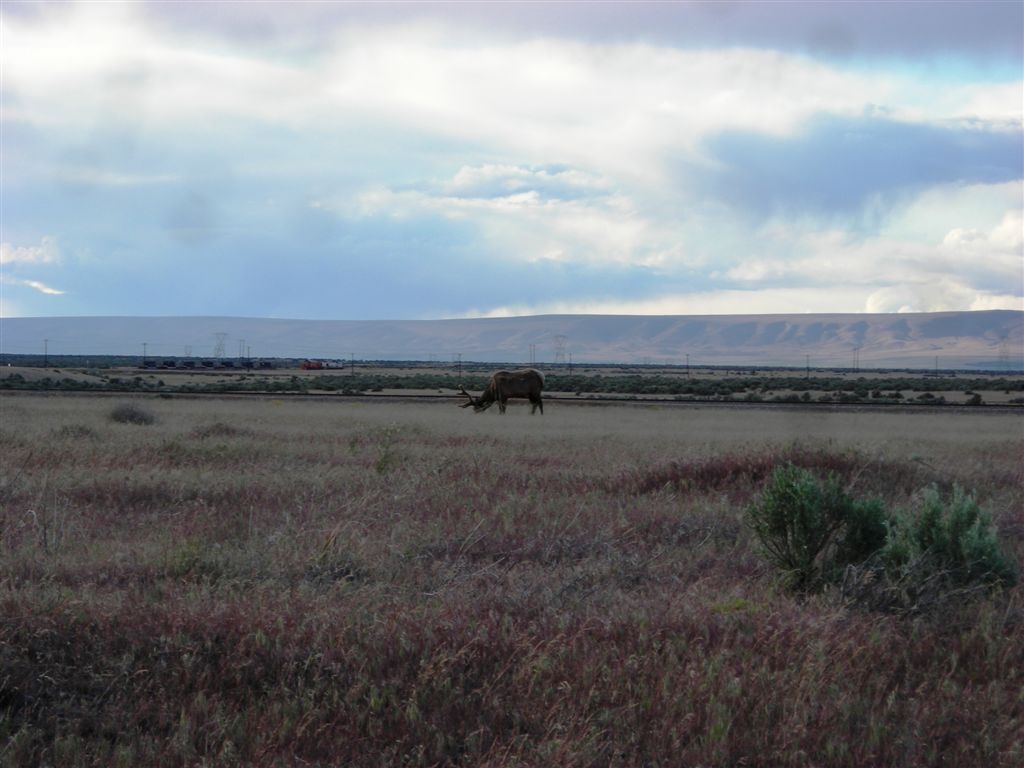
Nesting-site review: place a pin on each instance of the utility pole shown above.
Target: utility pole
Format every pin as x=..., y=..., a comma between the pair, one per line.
x=144, y=353
x=687, y=365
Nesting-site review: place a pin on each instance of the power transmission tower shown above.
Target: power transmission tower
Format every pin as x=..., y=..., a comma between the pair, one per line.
x=560, y=343
x=218, y=349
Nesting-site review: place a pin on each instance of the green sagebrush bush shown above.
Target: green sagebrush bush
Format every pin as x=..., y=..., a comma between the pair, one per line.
x=954, y=539
x=818, y=535
x=811, y=528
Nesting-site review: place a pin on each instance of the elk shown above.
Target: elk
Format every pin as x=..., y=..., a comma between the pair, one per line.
x=505, y=384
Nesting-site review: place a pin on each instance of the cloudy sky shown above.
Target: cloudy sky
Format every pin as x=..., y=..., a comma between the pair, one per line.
x=405, y=160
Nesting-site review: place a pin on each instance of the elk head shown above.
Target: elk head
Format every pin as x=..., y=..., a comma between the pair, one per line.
x=477, y=402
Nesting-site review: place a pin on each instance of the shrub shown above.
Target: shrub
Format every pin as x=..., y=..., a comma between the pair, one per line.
x=811, y=529
x=863, y=533
x=907, y=562
x=953, y=541
x=130, y=413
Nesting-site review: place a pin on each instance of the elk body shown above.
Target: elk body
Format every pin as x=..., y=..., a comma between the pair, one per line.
x=503, y=385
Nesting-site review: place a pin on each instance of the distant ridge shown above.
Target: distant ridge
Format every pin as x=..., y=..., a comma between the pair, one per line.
x=991, y=339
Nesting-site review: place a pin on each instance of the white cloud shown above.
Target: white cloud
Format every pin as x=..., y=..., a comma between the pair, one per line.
x=998, y=254
x=946, y=296
x=42, y=287
x=506, y=178
x=33, y=284
x=529, y=148
x=46, y=252
x=90, y=64
x=100, y=177
x=713, y=302
x=917, y=262
x=14, y=258
x=999, y=104
x=941, y=295
x=573, y=216
x=938, y=209
x=613, y=105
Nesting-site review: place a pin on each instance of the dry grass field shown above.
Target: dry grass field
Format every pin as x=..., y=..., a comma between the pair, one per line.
x=324, y=581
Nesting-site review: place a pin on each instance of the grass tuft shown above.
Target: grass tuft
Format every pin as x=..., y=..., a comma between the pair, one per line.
x=219, y=429
x=75, y=432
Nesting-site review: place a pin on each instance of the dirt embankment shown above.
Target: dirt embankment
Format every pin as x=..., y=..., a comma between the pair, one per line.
x=54, y=374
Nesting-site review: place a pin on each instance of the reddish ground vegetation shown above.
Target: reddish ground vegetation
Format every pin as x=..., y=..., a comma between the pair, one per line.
x=264, y=584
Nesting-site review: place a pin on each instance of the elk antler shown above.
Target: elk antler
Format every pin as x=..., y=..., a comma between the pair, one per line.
x=471, y=401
